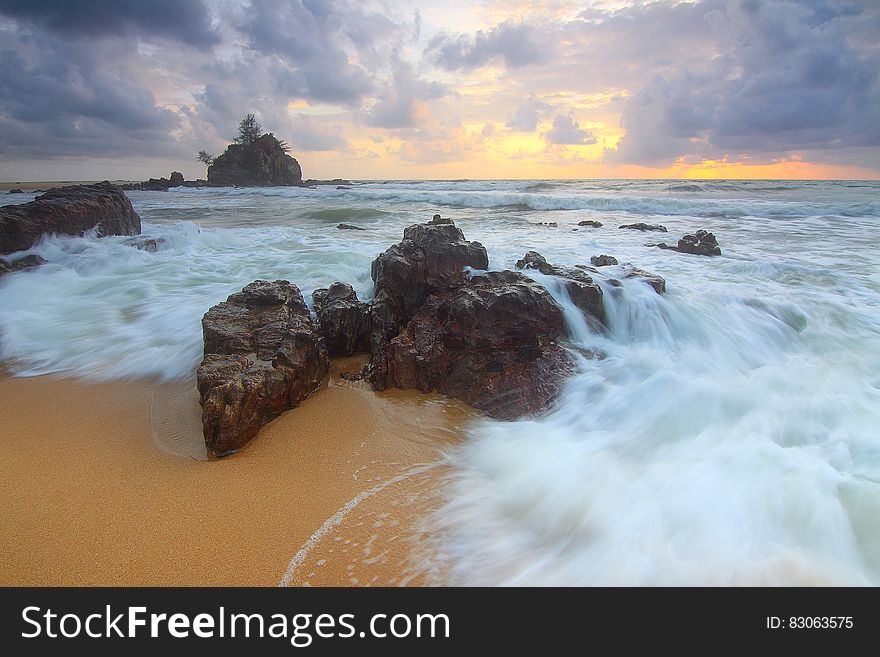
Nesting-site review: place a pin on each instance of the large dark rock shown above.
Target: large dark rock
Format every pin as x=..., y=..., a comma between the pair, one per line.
x=644, y=226
x=263, y=356
x=491, y=343
x=72, y=210
x=582, y=290
x=590, y=223
x=343, y=319
x=349, y=227
x=431, y=258
x=260, y=163
x=655, y=281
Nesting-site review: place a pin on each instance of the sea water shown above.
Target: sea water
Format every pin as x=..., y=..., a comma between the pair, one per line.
x=729, y=435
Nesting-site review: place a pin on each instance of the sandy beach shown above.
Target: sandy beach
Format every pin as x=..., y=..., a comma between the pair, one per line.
x=98, y=490
x=31, y=186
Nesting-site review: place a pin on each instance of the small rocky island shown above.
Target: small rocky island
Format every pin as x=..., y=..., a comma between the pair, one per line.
x=258, y=163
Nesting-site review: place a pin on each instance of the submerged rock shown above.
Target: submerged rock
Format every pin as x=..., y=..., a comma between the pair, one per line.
x=644, y=226
x=603, y=260
x=491, y=343
x=344, y=320
x=145, y=243
x=590, y=223
x=349, y=227
x=549, y=224
x=655, y=281
x=263, y=356
x=16, y=190
x=23, y=264
x=72, y=210
x=582, y=290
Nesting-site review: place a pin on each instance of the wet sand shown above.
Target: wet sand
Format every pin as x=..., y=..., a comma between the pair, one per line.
x=103, y=484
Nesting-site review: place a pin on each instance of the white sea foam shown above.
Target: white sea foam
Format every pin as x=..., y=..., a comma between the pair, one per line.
x=728, y=436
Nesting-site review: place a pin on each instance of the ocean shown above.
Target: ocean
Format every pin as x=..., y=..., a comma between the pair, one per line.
x=730, y=435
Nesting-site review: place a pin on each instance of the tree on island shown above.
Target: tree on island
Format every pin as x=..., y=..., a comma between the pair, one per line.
x=249, y=130
x=205, y=157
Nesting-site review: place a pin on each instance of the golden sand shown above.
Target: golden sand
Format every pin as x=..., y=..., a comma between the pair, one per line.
x=97, y=490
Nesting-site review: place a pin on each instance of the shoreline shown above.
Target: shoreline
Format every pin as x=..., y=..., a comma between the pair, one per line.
x=329, y=493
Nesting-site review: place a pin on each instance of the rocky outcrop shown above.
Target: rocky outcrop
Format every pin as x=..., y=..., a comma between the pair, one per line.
x=343, y=319
x=582, y=290
x=603, y=260
x=349, y=227
x=644, y=226
x=16, y=190
x=162, y=184
x=72, y=210
x=263, y=356
x=430, y=258
x=700, y=243
x=263, y=162
x=590, y=223
x=491, y=343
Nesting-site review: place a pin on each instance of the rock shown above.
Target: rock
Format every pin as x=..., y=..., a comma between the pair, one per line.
x=342, y=187
x=583, y=292
x=349, y=227
x=643, y=226
x=591, y=223
x=144, y=243
x=260, y=163
x=430, y=258
x=344, y=320
x=17, y=190
x=437, y=220
x=311, y=182
x=700, y=243
x=176, y=179
x=194, y=183
x=23, y=264
x=72, y=210
x=550, y=224
x=603, y=260
x=263, y=356
x=655, y=281
x=491, y=343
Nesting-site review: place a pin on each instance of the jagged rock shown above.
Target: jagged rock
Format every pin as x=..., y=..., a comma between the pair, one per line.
x=431, y=258
x=17, y=190
x=491, y=343
x=72, y=210
x=260, y=163
x=644, y=226
x=176, y=179
x=349, y=227
x=549, y=224
x=437, y=220
x=581, y=288
x=23, y=264
x=144, y=243
x=591, y=223
x=603, y=260
x=700, y=243
x=344, y=320
x=263, y=356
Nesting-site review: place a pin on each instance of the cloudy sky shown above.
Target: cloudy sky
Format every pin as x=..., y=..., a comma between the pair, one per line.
x=425, y=89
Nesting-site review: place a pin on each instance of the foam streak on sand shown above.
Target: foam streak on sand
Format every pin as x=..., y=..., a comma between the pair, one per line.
x=340, y=515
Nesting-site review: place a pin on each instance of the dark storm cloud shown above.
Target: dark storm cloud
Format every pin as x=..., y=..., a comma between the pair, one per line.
x=786, y=77
x=59, y=100
x=513, y=44
x=186, y=21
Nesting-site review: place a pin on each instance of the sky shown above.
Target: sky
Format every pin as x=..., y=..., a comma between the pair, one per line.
x=418, y=89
